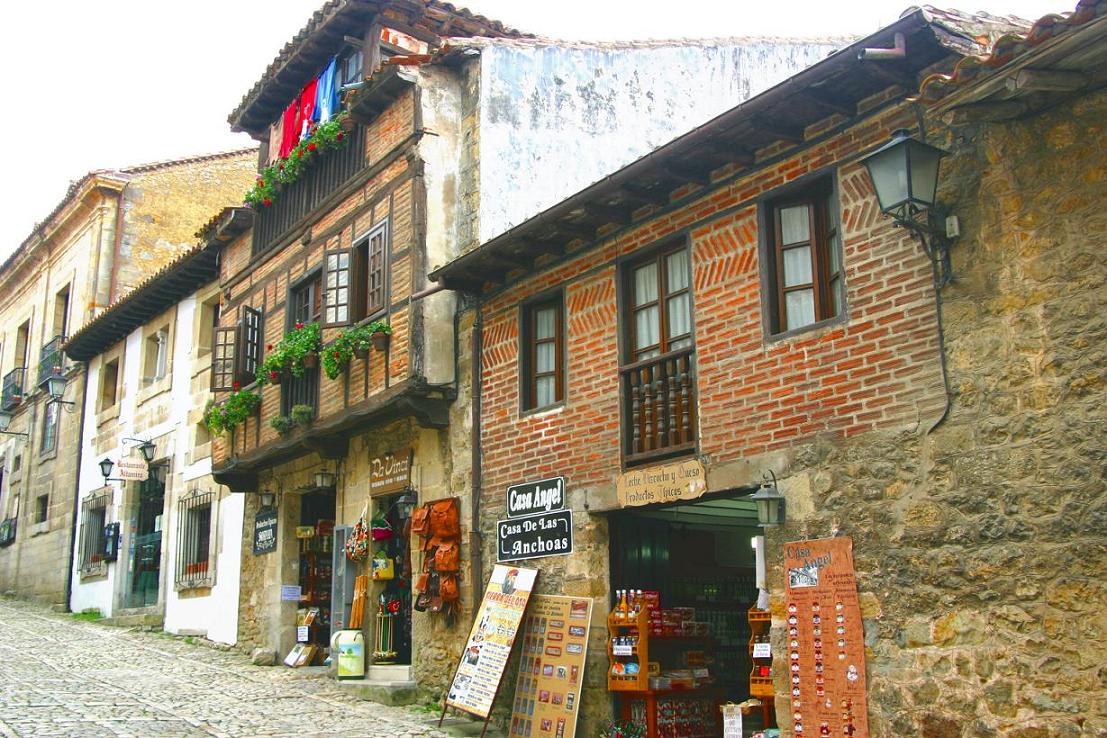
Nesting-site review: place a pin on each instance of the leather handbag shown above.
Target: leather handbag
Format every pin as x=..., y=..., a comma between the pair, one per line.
x=445, y=518
x=446, y=557
x=420, y=521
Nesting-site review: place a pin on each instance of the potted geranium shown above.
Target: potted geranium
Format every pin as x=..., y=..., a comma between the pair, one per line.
x=295, y=353
x=380, y=333
x=346, y=345
x=234, y=411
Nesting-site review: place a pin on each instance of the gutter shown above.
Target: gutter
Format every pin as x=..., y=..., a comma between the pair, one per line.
x=477, y=477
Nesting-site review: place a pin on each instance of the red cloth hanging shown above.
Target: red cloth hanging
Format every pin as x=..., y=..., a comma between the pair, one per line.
x=307, y=106
x=290, y=131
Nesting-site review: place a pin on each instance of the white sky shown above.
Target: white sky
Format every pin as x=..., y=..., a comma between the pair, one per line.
x=98, y=85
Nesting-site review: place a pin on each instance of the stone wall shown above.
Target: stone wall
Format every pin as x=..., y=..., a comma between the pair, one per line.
x=979, y=546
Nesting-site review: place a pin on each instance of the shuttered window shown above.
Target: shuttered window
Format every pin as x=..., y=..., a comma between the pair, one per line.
x=375, y=271
x=251, y=336
x=336, y=281
x=222, y=359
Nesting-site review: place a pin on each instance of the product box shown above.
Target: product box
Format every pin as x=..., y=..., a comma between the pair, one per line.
x=652, y=598
x=686, y=613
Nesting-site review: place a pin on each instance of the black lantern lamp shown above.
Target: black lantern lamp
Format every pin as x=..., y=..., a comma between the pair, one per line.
x=5, y=423
x=55, y=388
x=904, y=173
x=145, y=447
x=324, y=479
x=405, y=504
x=106, y=466
x=770, y=503
x=268, y=498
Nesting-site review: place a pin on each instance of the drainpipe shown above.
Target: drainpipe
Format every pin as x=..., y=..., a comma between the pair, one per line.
x=475, y=389
x=76, y=495
x=898, y=51
x=118, y=243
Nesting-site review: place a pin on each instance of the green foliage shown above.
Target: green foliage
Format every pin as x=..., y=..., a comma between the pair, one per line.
x=288, y=354
x=282, y=424
x=87, y=616
x=337, y=355
x=303, y=414
x=234, y=411
x=324, y=137
x=622, y=729
x=379, y=326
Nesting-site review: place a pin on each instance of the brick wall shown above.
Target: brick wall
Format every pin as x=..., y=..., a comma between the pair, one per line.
x=878, y=368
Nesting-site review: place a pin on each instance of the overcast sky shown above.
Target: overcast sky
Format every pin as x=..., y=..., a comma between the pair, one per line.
x=99, y=85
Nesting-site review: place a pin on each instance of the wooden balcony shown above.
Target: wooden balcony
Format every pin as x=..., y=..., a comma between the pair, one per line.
x=296, y=201
x=12, y=394
x=659, y=406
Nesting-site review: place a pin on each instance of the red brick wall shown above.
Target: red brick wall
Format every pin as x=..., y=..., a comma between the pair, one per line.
x=878, y=368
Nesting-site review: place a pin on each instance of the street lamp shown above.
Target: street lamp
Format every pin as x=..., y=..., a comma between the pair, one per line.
x=5, y=423
x=146, y=447
x=770, y=503
x=324, y=479
x=268, y=499
x=904, y=173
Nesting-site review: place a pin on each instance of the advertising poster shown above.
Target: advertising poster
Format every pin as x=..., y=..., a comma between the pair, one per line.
x=825, y=639
x=551, y=667
x=486, y=652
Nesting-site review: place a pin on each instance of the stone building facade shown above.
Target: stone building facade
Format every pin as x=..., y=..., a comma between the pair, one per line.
x=969, y=507
x=113, y=229
x=441, y=136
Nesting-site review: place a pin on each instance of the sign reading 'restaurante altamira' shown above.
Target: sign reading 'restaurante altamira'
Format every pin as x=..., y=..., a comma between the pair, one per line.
x=685, y=480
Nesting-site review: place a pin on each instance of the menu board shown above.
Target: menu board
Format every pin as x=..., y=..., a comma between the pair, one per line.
x=551, y=668
x=825, y=640
x=484, y=659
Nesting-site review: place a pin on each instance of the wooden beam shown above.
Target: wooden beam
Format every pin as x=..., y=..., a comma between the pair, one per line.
x=825, y=102
x=985, y=112
x=1046, y=80
x=777, y=130
x=575, y=230
x=884, y=71
x=657, y=197
x=607, y=213
x=686, y=173
x=542, y=246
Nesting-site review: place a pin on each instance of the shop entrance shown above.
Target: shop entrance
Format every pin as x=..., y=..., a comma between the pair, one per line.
x=394, y=602
x=698, y=557
x=146, y=552
x=315, y=537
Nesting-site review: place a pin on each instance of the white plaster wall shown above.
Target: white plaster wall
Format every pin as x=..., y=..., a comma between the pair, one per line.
x=555, y=119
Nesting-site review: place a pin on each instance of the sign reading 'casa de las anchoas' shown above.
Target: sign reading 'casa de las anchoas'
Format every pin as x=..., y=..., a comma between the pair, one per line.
x=538, y=523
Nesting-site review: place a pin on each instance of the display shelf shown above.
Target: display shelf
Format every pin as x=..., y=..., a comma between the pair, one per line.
x=635, y=625
x=657, y=710
x=761, y=674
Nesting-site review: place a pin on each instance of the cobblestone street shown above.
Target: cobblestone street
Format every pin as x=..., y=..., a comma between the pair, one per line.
x=60, y=676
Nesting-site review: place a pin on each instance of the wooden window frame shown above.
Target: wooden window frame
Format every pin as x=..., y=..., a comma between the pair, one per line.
x=251, y=336
x=313, y=284
x=380, y=234
x=331, y=265
x=224, y=348
x=630, y=325
x=529, y=352
x=824, y=228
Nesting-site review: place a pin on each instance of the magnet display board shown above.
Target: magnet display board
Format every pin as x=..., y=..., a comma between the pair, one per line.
x=825, y=640
x=551, y=667
x=497, y=622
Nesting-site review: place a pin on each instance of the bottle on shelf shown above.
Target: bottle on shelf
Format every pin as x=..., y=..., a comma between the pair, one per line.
x=624, y=607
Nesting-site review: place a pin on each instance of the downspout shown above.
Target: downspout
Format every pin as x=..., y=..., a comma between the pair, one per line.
x=118, y=243
x=76, y=494
x=476, y=343
x=898, y=51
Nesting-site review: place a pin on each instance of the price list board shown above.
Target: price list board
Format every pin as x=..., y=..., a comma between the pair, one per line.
x=825, y=640
x=551, y=670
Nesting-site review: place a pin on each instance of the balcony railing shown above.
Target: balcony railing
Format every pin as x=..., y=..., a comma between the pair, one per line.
x=322, y=177
x=659, y=397
x=51, y=359
x=12, y=393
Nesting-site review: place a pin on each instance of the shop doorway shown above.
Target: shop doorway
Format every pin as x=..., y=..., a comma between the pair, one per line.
x=394, y=600
x=699, y=557
x=315, y=536
x=146, y=529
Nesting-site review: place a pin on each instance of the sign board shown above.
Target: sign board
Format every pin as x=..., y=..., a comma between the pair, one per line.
x=825, y=639
x=551, y=667
x=478, y=676
x=732, y=720
x=303, y=633
x=762, y=650
x=543, y=496
x=550, y=534
x=132, y=470
x=390, y=473
x=685, y=480
x=290, y=593
x=265, y=531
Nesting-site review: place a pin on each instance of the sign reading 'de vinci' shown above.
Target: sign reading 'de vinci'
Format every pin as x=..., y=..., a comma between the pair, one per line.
x=390, y=472
x=685, y=480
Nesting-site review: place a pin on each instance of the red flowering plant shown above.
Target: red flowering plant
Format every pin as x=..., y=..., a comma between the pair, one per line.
x=322, y=138
x=240, y=405
x=288, y=355
x=337, y=354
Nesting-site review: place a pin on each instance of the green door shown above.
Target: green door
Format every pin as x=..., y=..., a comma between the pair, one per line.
x=146, y=572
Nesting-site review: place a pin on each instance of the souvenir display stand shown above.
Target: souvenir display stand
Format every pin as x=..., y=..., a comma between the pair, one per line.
x=668, y=708
x=761, y=676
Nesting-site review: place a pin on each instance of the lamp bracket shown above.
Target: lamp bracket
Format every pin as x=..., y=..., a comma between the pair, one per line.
x=930, y=230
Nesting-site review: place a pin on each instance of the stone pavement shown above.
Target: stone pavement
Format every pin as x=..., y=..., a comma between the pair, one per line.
x=60, y=676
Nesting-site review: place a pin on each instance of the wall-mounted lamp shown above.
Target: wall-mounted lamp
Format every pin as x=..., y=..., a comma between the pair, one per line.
x=770, y=503
x=405, y=504
x=106, y=466
x=268, y=499
x=324, y=479
x=55, y=388
x=904, y=173
x=5, y=423
x=146, y=447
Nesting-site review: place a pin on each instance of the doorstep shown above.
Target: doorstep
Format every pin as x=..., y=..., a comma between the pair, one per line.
x=387, y=685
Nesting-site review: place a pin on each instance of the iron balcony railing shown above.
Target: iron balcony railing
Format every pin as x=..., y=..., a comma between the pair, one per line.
x=659, y=406
x=51, y=359
x=12, y=393
x=322, y=177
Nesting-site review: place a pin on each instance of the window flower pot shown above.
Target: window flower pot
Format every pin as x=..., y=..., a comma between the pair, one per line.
x=310, y=360
x=361, y=351
x=380, y=341
x=274, y=377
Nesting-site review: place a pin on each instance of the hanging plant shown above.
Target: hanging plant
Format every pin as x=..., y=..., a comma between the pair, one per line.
x=379, y=333
x=282, y=424
x=353, y=342
x=283, y=172
x=232, y=412
x=303, y=414
x=289, y=353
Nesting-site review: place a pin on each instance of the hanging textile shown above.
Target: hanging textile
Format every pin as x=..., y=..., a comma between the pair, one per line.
x=326, y=93
x=276, y=140
x=307, y=107
x=289, y=127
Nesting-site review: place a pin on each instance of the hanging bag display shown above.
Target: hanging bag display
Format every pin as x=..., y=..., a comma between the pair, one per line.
x=380, y=528
x=357, y=545
x=445, y=518
x=420, y=521
x=382, y=566
x=446, y=557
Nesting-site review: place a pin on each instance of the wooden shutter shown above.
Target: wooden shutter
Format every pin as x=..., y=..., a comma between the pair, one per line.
x=251, y=338
x=376, y=270
x=223, y=359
